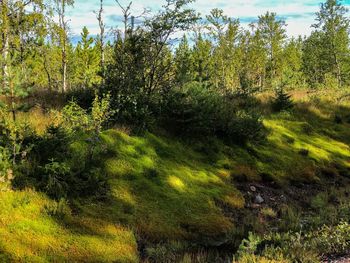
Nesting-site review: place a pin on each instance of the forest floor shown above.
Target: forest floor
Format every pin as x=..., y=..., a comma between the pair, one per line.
x=342, y=259
x=170, y=198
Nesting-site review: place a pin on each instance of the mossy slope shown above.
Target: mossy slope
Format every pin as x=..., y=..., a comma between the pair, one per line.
x=162, y=189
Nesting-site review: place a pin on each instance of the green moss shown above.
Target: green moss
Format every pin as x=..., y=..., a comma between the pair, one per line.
x=28, y=234
x=164, y=189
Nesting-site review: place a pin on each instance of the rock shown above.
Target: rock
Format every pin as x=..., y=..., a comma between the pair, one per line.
x=283, y=198
x=252, y=188
x=258, y=199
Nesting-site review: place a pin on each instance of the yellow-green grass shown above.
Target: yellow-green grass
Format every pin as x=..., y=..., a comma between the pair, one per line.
x=29, y=234
x=162, y=189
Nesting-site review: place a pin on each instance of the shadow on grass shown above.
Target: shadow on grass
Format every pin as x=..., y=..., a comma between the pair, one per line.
x=164, y=190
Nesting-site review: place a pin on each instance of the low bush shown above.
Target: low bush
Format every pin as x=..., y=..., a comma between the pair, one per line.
x=59, y=209
x=282, y=101
x=197, y=111
x=298, y=247
x=63, y=162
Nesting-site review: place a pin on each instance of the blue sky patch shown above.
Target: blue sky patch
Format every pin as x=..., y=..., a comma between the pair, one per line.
x=299, y=15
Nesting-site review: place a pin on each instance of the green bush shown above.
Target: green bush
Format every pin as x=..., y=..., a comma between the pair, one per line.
x=5, y=163
x=299, y=246
x=77, y=119
x=59, y=209
x=74, y=118
x=55, y=179
x=282, y=101
x=197, y=111
x=61, y=170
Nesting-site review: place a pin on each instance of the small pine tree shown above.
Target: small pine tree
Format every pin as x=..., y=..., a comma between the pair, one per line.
x=282, y=101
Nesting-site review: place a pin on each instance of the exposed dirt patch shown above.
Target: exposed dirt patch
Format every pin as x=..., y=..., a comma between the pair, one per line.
x=337, y=259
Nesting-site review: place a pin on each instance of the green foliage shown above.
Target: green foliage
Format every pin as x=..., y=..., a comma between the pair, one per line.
x=15, y=135
x=100, y=112
x=59, y=209
x=141, y=68
x=197, y=111
x=74, y=118
x=282, y=101
x=301, y=247
x=77, y=119
x=86, y=61
x=273, y=34
x=249, y=245
x=5, y=163
x=320, y=201
x=55, y=178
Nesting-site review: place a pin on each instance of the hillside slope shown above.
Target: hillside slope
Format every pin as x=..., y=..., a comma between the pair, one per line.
x=168, y=197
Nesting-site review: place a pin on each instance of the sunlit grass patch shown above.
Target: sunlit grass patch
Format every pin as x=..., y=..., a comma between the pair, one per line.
x=29, y=234
x=293, y=144
x=167, y=186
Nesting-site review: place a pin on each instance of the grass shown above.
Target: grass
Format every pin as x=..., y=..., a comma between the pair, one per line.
x=164, y=190
x=29, y=234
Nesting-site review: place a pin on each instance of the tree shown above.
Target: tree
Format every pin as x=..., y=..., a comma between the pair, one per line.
x=101, y=39
x=202, y=60
x=183, y=62
x=332, y=21
x=175, y=17
x=227, y=52
x=5, y=24
x=292, y=63
x=62, y=31
x=253, y=71
x=141, y=70
x=273, y=34
x=21, y=23
x=87, y=61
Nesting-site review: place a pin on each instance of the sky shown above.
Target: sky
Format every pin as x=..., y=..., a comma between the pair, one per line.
x=299, y=15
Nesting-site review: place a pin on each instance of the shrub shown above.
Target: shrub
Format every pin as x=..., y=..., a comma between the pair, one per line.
x=55, y=179
x=74, y=118
x=5, y=163
x=297, y=247
x=77, y=119
x=282, y=101
x=61, y=170
x=100, y=112
x=268, y=212
x=58, y=209
x=52, y=145
x=291, y=218
x=249, y=245
x=320, y=201
x=241, y=127
x=197, y=111
x=15, y=137
x=332, y=239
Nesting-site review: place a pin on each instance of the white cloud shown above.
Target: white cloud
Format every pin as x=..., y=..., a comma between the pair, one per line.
x=299, y=14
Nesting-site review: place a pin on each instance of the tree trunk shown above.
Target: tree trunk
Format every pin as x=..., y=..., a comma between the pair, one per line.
x=102, y=36
x=5, y=45
x=63, y=45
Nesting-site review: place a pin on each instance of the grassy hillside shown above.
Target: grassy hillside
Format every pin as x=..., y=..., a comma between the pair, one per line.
x=169, y=199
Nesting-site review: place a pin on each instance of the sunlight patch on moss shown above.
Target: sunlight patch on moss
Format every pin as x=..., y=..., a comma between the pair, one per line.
x=29, y=234
x=176, y=183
